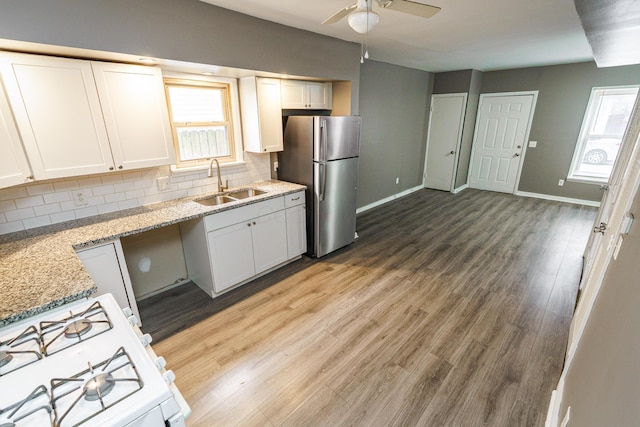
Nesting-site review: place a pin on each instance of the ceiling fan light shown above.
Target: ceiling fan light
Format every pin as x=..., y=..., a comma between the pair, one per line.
x=363, y=21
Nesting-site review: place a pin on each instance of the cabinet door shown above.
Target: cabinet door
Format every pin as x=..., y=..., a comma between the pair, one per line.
x=106, y=266
x=231, y=253
x=14, y=168
x=135, y=114
x=58, y=113
x=294, y=94
x=269, y=234
x=319, y=95
x=296, y=231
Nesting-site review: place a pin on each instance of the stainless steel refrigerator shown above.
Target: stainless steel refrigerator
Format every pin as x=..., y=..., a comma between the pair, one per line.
x=322, y=152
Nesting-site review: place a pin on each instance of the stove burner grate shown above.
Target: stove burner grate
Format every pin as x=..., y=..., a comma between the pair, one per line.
x=19, y=351
x=56, y=335
x=94, y=385
x=28, y=410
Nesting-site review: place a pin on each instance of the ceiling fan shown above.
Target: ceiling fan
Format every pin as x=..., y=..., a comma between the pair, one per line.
x=362, y=19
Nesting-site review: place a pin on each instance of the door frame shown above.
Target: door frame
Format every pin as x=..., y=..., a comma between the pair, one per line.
x=525, y=145
x=456, y=158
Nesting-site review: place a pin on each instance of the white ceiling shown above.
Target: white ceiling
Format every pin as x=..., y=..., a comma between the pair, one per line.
x=467, y=34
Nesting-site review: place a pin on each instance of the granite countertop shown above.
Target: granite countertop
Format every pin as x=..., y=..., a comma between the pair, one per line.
x=40, y=269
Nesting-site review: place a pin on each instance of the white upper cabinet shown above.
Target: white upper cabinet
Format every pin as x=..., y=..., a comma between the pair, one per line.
x=77, y=117
x=14, y=168
x=58, y=113
x=261, y=114
x=135, y=113
x=305, y=95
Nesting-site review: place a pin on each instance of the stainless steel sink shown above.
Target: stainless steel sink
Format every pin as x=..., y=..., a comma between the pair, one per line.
x=216, y=200
x=243, y=194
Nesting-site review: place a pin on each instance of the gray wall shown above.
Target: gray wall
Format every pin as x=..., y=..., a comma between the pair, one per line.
x=184, y=30
x=602, y=384
x=563, y=95
x=394, y=103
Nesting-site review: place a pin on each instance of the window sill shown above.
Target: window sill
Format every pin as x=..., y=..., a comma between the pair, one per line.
x=588, y=180
x=179, y=171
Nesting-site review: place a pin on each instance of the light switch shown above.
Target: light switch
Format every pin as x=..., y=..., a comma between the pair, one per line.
x=533, y=144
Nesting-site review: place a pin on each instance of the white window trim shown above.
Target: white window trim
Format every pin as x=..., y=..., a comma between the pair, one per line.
x=235, y=113
x=576, y=160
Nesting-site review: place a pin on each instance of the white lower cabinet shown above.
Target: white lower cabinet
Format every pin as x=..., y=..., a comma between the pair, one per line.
x=106, y=266
x=229, y=248
x=296, y=217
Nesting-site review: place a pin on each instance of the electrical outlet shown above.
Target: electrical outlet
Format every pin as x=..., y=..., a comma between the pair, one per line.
x=275, y=166
x=560, y=182
x=397, y=180
x=567, y=417
x=533, y=144
x=80, y=198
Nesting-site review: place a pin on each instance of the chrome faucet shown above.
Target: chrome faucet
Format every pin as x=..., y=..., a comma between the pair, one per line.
x=221, y=187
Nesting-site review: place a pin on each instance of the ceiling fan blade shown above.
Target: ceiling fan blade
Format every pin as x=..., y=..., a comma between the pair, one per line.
x=339, y=14
x=410, y=7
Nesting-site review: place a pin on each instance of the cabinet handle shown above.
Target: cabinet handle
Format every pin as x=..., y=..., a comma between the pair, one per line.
x=110, y=168
x=295, y=198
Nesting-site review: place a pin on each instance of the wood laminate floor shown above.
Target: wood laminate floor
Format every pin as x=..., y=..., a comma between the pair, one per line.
x=450, y=310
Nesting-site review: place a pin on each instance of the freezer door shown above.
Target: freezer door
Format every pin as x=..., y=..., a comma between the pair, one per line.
x=334, y=204
x=336, y=137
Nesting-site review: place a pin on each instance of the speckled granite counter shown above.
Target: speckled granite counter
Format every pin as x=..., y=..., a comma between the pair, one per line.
x=40, y=269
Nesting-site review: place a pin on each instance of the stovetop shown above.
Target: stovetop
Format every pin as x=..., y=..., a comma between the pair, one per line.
x=82, y=364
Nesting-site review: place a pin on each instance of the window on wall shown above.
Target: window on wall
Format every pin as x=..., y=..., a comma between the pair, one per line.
x=603, y=127
x=201, y=121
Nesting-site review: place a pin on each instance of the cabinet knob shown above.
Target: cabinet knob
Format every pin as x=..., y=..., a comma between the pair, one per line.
x=120, y=167
x=29, y=178
x=110, y=168
x=254, y=223
x=249, y=225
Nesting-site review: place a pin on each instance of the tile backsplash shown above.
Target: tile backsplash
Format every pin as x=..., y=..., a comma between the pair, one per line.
x=48, y=202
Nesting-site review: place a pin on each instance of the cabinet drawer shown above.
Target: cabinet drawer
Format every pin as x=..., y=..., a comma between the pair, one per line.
x=243, y=213
x=294, y=199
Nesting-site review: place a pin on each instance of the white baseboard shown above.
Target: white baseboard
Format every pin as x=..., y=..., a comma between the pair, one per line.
x=388, y=199
x=558, y=198
x=459, y=189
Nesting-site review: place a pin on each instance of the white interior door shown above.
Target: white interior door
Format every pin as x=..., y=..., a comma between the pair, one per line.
x=502, y=128
x=443, y=141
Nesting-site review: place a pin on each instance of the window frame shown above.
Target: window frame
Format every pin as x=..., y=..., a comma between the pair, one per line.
x=587, y=123
x=231, y=122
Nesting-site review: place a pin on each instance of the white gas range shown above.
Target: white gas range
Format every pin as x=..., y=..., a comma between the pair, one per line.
x=85, y=364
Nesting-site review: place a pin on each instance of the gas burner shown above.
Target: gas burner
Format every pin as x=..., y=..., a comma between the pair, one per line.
x=32, y=410
x=78, y=328
x=98, y=386
x=59, y=334
x=19, y=350
x=79, y=398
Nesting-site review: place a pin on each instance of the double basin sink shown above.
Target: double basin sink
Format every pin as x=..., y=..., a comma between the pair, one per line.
x=233, y=196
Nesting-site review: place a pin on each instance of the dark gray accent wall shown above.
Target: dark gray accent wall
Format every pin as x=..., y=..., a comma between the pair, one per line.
x=564, y=92
x=394, y=104
x=468, y=81
x=183, y=30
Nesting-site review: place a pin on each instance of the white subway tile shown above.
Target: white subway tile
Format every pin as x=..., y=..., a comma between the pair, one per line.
x=20, y=214
x=186, y=184
x=90, y=182
x=57, y=197
x=13, y=193
x=10, y=227
x=28, y=202
x=127, y=204
x=7, y=205
x=47, y=209
x=103, y=189
x=96, y=200
x=66, y=185
x=111, y=178
x=115, y=197
x=2, y=217
x=85, y=212
x=62, y=217
x=131, y=176
x=125, y=186
x=143, y=183
x=134, y=194
x=68, y=206
x=110, y=207
x=36, y=189
x=36, y=222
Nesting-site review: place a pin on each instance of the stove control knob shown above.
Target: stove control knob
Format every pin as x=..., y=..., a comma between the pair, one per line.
x=146, y=339
x=133, y=320
x=127, y=311
x=160, y=363
x=169, y=377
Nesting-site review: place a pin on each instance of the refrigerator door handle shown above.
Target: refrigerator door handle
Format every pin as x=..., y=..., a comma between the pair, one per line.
x=323, y=138
x=323, y=181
